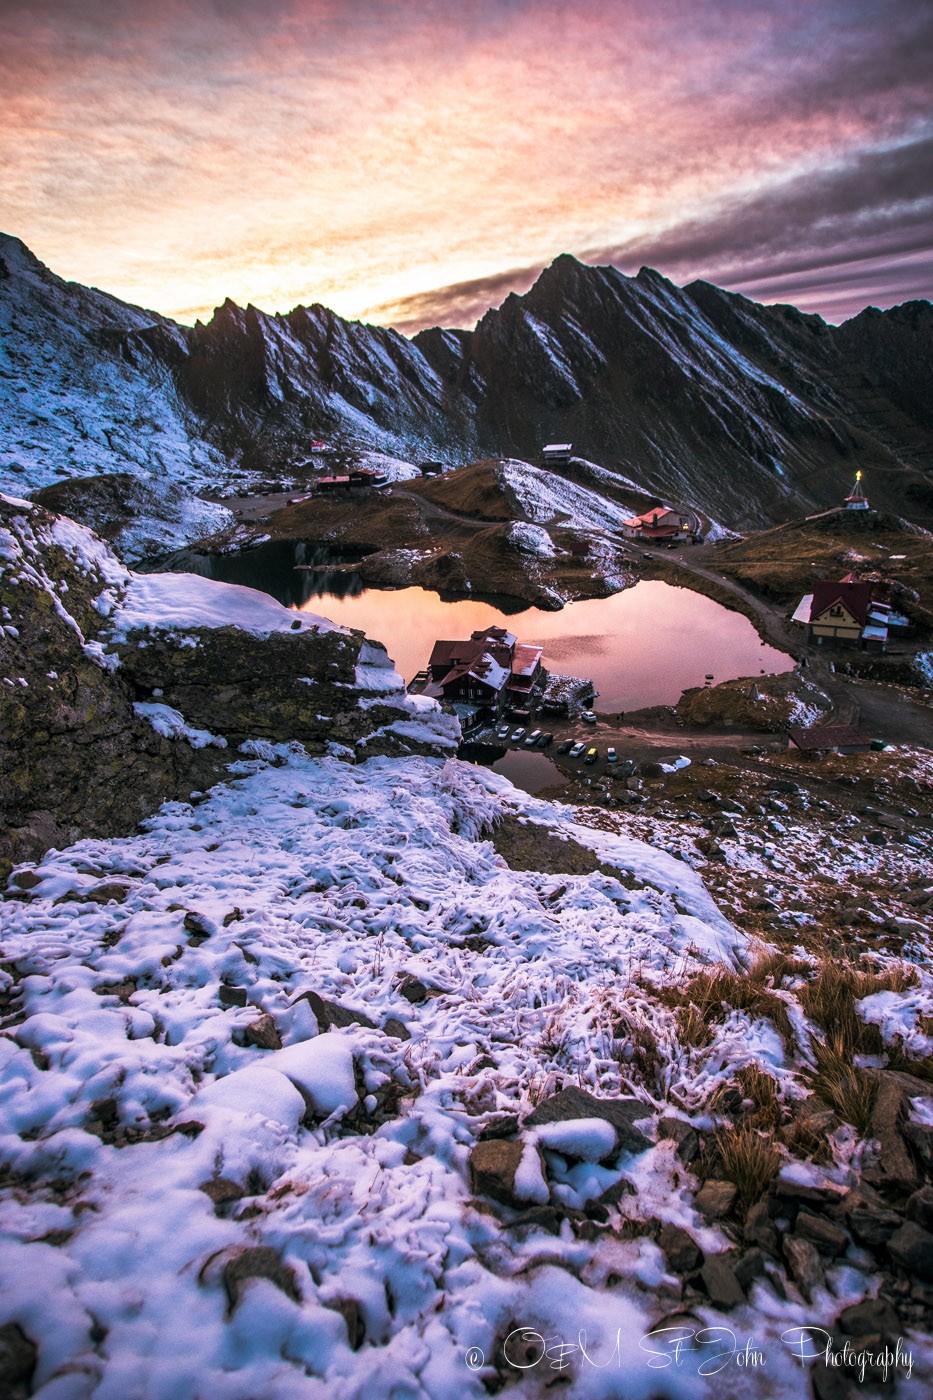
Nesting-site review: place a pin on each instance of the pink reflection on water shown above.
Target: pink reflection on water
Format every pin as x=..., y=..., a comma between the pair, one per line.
x=640, y=647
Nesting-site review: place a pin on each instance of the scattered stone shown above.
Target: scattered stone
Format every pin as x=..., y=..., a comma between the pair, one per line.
x=413, y=989
x=720, y=1282
x=352, y=1314
x=25, y=880
x=758, y=1228
x=715, y=1199
x=263, y=1034
x=873, y=1317
x=493, y=1165
x=221, y=1190
x=920, y=1137
x=688, y=1143
x=577, y=1103
x=920, y=1207
x=873, y=1227
x=107, y=890
x=231, y=996
x=895, y=1165
x=912, y=1247
x=613, y=1194
x=199, y=926
x=504, y=1126
x=876, y=838
x=794, y=1193
x=394, y=1027
x=18, y=1356
x=681, y=1250
x=804, y=1265
x=546, y=1218
x=750, y=1267
x=829, y=1238
x=330, y=1014
x=258, y=1261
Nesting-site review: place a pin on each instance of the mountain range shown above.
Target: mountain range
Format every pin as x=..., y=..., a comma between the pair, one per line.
x=752, y=413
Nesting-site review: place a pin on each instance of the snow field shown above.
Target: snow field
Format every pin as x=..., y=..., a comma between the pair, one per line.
x=349, y=1149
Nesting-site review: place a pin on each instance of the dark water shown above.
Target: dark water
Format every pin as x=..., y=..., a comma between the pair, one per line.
x=641, y=647
x=528, y=769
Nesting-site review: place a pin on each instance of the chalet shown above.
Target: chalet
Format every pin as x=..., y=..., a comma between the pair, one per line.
x=431, y=468
x=353, y=481
x=488, y=670
x=557, y=454
x=661, y=524
x=845, y=613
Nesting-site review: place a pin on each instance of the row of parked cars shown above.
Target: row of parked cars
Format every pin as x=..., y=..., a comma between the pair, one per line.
x=539, y=739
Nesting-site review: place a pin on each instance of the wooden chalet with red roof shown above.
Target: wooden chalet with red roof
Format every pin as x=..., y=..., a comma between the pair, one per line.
x=488, y=670
x=846, y=613
x=660, y=525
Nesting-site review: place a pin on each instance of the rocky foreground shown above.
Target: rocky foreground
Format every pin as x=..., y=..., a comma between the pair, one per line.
x=347, y=1062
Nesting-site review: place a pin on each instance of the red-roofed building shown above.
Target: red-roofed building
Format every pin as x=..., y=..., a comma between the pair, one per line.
x=658, y=524
x=487, y=669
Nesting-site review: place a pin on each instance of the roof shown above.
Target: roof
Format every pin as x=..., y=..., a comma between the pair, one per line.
x=802, y=611
x=558, y=447
x=651, y=517
x=482, y=668
x=854, y=597
x=525, y=659
x=828, y=736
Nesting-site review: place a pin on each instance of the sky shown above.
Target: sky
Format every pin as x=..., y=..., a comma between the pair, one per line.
x=411, y=162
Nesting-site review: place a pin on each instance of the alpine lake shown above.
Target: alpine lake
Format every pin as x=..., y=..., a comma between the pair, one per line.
x=642, y=647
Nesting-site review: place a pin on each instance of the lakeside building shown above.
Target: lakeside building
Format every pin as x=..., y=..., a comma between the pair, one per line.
x=483, y=675
x=846, y=613
x=662, y=524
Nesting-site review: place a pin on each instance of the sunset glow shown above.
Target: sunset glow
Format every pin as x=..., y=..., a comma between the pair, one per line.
x=413, y=162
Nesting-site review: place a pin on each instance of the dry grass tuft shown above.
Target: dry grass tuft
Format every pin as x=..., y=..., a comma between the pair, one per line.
x=748, y=1158
x=692, y=1028
x=712, y=995
x=847, y=1089
x=762, y=1088
x=829, y=1000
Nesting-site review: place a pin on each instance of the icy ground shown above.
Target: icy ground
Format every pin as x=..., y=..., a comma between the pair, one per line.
x=191, y=1208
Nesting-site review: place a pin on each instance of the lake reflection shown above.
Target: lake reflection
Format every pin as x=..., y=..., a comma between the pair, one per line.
x=640, y=647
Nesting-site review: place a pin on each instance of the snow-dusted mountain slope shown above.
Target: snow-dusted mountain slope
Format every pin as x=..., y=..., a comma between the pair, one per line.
x=751, y=413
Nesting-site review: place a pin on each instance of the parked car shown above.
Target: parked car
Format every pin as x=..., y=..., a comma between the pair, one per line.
x=545, y=740
x=611, y=755
x=565, y=746
x=576, y=751
x=517, y=735
x=533, y=738
x=591, y=755
x=646, y=555
x=589, y=716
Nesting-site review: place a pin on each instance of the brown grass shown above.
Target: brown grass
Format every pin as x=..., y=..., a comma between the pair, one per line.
x=747, y=1157
x=713, y=994
x=847, y=1089
x=829, y=1000
x=759, y=1086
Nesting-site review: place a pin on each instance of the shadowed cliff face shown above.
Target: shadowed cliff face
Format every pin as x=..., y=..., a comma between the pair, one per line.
x=86, y=741
x=756, y=414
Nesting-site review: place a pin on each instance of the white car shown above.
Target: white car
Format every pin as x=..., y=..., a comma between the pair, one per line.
x=533, y=738
x=502, y=732
x=589, y=716
x=611, y=755
x=576, y=751
x=518, y=734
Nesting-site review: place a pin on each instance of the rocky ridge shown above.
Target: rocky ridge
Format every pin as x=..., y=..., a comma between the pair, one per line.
x=752, y=413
